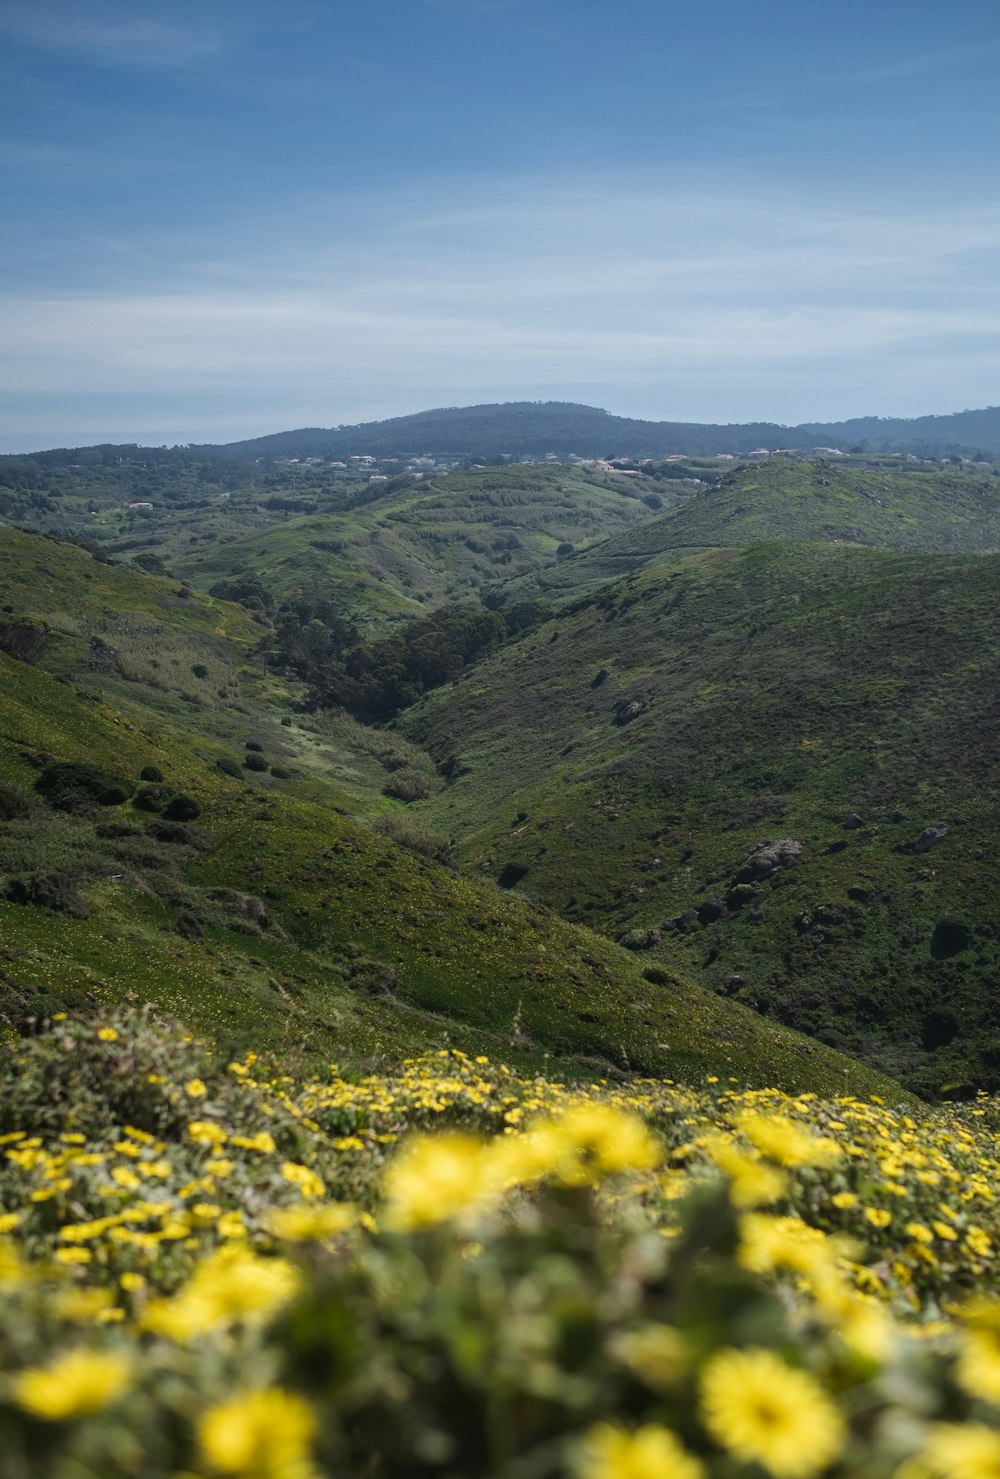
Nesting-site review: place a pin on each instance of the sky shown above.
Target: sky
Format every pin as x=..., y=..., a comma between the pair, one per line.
x=230, y=217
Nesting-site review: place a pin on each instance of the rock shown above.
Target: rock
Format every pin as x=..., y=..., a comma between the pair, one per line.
x=687, y=921
x=930, y=837
x=767, y=858
x=852, y=822
x=627, y=710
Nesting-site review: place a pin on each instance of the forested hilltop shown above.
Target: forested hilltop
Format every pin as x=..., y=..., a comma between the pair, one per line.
x=534, y=428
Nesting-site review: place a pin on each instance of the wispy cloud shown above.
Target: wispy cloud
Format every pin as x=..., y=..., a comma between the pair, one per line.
x=703, y=300
x=108, y=33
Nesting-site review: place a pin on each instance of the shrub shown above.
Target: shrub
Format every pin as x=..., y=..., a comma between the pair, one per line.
x=252, y=745
x=228, y=766
x=408, y=785
x=151, y=773
x=253, y=761
x=76, y=786
x=151, y=798
x=413, y=833
x=14, y=802
x=183, y=808
x=55, y=891
x=280, y=772
x=25, y=640
x=199, y=670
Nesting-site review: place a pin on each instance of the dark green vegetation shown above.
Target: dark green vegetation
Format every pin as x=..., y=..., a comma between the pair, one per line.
x=144, y=859
x=532, y=428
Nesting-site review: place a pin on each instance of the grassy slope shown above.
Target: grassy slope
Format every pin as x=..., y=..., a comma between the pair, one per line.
x=362, y=949
x=430, y=541
x=784, y=499
x=842, y=697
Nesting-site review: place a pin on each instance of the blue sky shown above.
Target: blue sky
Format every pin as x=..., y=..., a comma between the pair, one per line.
x=236, y=216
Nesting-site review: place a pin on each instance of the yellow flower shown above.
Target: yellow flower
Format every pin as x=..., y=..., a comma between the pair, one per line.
x=979, y=1351
x=107, y=1034
x=73, y=1255
x=919, y=1231
x=752, y=1182
x=767, y=1243
x=877, y=1216
x=845, y=1200
x=310, y=1185
x=10, y=1220
x=205, y=1132
x=75, y=1385
x=782, y=1140
x=650, y=1452
x=765, y=1412
x=231, y=1284
x=195, y=1089
x=962, y=1451
x=305, y=1224
x=437, y=1177
x=266, y=1435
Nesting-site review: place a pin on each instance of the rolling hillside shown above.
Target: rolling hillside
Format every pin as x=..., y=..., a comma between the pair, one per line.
x=946, y=511
x=151, y=850
x=641, y=763
x=415, y=546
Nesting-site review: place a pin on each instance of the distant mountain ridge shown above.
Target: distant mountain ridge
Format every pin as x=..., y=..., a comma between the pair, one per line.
x=532, y=428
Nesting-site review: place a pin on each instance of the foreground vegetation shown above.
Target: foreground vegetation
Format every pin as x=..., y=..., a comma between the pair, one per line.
x=213, y=1269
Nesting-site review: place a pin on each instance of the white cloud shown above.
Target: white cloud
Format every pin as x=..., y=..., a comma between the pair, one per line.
x=665, y=297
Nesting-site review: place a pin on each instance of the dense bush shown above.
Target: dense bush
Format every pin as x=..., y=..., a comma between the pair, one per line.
x=76, y=786
x=182, y=808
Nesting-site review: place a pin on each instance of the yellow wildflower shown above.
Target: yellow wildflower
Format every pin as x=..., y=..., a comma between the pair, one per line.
x=765, y=1412
x=266, y=1435
x=786, y=1142
x=979, y=1351
x=961, y=1451
x=309, y=1184
x=649, y=1453
x=195, y=1089
x=435, y=1178
x=78, y=1383
x=107, y=1034
x=878, y=1216
x=752, y=1181
x=303, y=1224
x=231, y=1284
x=845, y=1200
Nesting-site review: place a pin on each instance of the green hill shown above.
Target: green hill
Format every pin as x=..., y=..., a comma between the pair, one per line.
x=625, y=763
x=424, y=542
x=243, y=900
x=948, y=511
